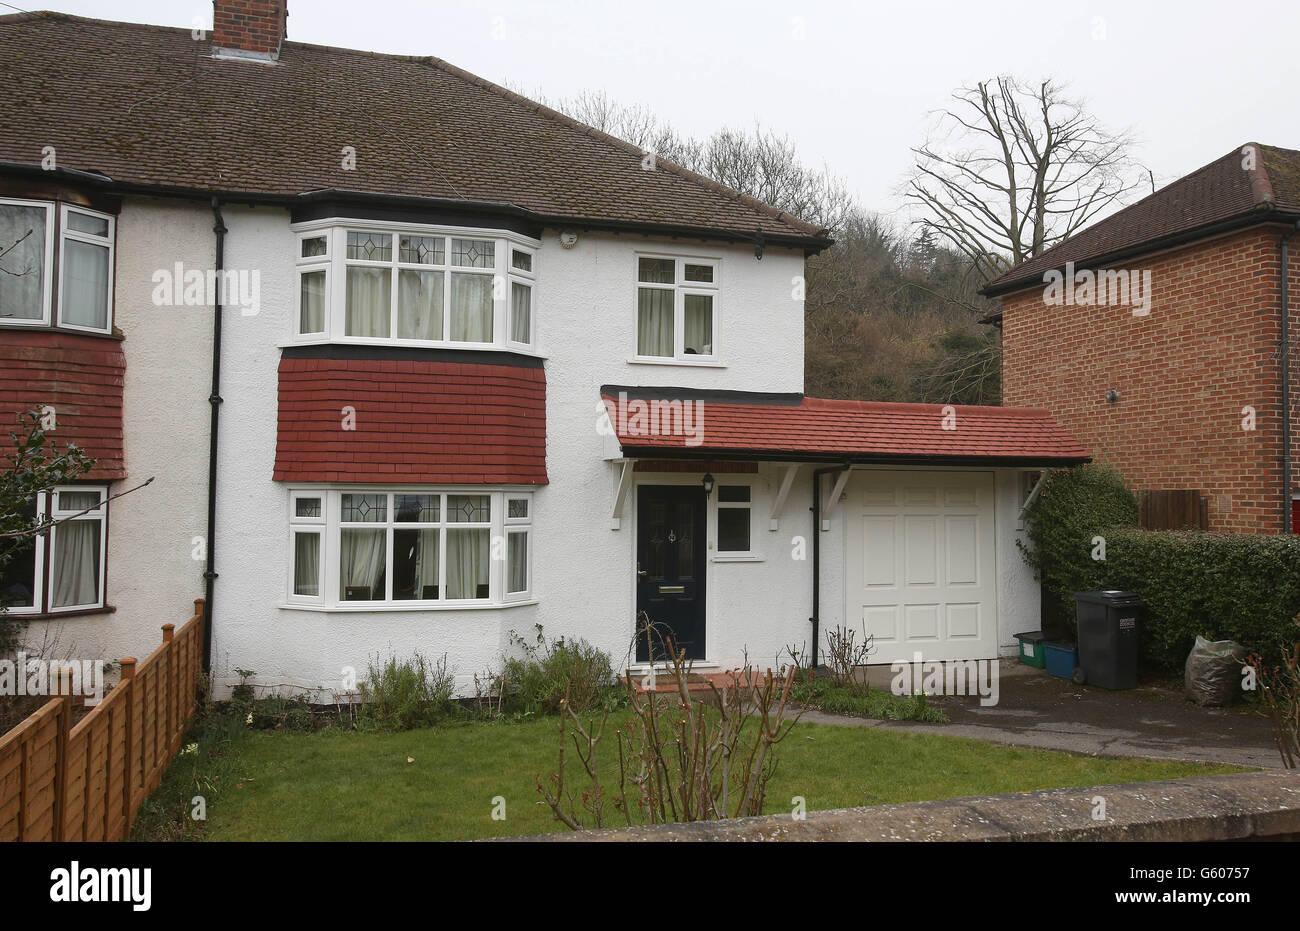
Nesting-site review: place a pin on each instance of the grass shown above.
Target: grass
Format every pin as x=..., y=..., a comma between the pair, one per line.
x=341, y=785
x=824, y=695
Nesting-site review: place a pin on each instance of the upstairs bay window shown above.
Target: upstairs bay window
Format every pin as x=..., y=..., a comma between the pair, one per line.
x=416, y=548
x=68, y=286
x=676, y=305
x=363, y=284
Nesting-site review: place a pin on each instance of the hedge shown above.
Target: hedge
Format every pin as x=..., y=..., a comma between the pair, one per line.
x=1224, y=586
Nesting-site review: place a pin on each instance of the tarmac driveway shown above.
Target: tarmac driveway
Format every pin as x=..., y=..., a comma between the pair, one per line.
x=1039, y=710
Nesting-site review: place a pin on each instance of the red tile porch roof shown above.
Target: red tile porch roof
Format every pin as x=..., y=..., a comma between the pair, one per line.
x=784, y=427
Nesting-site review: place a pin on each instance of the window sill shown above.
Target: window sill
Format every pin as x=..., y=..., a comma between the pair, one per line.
x=693, y=363
x=38, y=327
x=399, y=609
x=512, y=348
x=71, y=612
x=737, y=557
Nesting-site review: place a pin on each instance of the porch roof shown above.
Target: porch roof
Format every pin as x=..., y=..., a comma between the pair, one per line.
x=794, y=428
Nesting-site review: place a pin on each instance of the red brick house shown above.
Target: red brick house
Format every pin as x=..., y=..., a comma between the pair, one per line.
x=1156, y=337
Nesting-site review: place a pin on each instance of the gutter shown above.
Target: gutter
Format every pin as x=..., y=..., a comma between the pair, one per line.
x=214, y=403
x=817, y=555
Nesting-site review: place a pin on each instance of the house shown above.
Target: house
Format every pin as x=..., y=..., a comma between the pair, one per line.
x=473, y=368
x=1156, y=336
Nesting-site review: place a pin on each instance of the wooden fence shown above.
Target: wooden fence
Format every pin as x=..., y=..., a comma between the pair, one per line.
x=60, y=782
x=1173, y=510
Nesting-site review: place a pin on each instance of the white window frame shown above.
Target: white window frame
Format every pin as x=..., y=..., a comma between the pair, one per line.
x=100, y=514
x=502, y=272
x=109, y=241
x=719, y=554
x=39, y=543
x=514, y=526
x=330, y=525
x=525, y=278
x=47, y=273
x=305, y=265
x=680, y=288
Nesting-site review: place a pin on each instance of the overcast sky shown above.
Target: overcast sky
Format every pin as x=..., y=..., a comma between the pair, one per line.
x=852, y=83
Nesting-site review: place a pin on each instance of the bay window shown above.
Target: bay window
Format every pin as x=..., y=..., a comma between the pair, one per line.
x=422, y=548
x=362, y=282
x=676, y=307
x=61, y=569
x=82, y=297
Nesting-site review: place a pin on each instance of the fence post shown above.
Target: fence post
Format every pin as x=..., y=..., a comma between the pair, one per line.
x=170, y=691
x=62, y=728
x=128, y=683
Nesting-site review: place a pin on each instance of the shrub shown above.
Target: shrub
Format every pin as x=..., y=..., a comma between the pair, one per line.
x=1223, y=586
x=403, y=694
x=548, y=671
x=1072, y=508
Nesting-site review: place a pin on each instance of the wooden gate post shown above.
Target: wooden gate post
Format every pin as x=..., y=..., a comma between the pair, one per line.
x=128, y=683
x=170, y=690
x=62, y=728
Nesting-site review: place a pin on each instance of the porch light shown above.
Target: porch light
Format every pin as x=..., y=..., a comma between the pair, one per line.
x=707, y=482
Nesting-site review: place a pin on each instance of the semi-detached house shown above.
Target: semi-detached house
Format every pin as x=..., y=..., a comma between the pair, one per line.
x=476, y=368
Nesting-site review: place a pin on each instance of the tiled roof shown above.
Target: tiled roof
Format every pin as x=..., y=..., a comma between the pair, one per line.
x=415, y=422
x=148, y=105
x=81, y=377
x=1222, y=191
x=846, y=430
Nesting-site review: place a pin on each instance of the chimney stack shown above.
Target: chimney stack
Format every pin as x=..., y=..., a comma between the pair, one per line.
x=248, y=28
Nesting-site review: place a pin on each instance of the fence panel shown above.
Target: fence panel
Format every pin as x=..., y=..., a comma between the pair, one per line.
x=86, y=782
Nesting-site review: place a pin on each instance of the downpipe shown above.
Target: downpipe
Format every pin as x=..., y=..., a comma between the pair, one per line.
x=214, y=404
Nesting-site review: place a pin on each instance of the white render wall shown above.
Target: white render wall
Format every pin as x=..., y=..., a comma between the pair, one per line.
x=152, y=577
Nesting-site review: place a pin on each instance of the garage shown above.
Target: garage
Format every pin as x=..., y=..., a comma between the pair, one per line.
x=921, y=563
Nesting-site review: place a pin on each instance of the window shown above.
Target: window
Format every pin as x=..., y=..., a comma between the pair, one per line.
x=362, y=283
x=28, y=232
x=63, y=568
x=676, y=305
x=734, y=519
x=411, y=547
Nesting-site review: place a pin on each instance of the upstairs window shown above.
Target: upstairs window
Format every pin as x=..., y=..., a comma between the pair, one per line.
x=82, y=296
x=361, y=284
x=676, y=308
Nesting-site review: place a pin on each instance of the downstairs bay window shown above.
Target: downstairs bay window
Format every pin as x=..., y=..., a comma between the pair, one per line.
x=414, y=286
x=61, y=569
x=413, y=548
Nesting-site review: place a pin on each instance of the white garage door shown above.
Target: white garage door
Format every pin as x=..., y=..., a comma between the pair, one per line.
x=921, y=569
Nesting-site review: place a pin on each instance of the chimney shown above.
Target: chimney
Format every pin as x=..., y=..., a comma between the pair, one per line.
x=248, y=28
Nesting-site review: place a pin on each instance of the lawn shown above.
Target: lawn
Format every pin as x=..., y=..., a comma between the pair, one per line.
x=340, y=785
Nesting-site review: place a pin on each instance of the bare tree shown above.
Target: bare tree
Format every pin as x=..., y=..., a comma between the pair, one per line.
x=1010, y=169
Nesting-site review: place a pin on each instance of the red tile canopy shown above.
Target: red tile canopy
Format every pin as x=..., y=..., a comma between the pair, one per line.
x=413, y=421
x=791, y=427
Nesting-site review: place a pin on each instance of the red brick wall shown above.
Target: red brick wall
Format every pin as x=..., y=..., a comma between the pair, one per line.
x=414, y=422
x=80, y=377
x=1207, y=349
x=250, y=25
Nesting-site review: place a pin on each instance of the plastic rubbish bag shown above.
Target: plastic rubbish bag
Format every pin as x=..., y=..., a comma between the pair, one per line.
x=1212, y=676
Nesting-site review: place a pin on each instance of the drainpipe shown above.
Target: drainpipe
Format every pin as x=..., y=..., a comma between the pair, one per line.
x=214, y=403
x=817, y=554
x=1284, y=355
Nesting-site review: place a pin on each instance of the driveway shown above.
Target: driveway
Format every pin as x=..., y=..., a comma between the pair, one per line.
x=1039, y=710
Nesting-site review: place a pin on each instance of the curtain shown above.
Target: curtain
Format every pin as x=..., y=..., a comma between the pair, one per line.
x=521, y=299
x=76, y=563
x=654, y=334
x=369, y=295
x=471, y=308
x=312, y=285
x=518, y=556
x=698, y=337
x=306, y=563
x=21, y=291
x=362, y=563
x=467, y=562
x=426, y=570
x=85, y=284
x=419, y=305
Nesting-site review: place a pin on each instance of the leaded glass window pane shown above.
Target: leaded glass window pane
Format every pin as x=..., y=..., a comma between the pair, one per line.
x=422, y=250
x=314, y=246
x=656, y=271
x=370, y=247
x=473, y=253
x=306, y=507
x=413, y=509
x=469, y=509
x=368, y=509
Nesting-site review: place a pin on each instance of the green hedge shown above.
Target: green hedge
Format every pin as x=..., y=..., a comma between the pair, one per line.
x=1224, y=586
